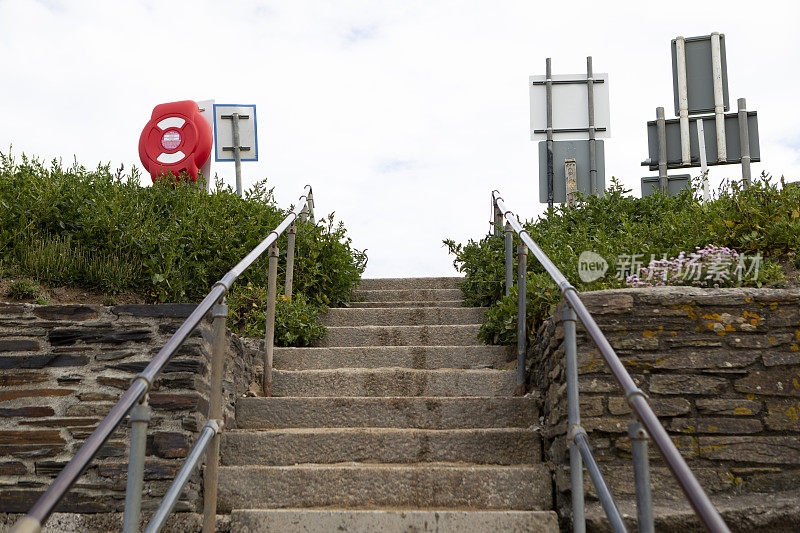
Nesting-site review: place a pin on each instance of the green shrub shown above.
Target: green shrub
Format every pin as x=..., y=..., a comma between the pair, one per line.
x=763, y=218
x=295, y=318
x=24, y=289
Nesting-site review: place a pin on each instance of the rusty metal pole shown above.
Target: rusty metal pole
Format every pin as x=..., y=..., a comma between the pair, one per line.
x=522, y=294
x=219, y=313
x=269, y=334
x=291, y=232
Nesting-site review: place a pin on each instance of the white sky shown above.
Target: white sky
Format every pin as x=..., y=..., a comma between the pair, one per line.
x=403, y=115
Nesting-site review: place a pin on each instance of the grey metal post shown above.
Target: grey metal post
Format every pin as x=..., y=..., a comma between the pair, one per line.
x=592, y=144
x=219, y=313
x=291, y=232
x=509, y=249
x=719, y=99
x=569, y=319
x=311, y=208
x=498, y=221
x=139, y=417
x=522, y=294
x=661, y=132
x=237, y=155
x=269, y=334
x=641, y=475
x=304, y=213
x=744, y=141
x=159, y=518
x=603, y=494
x=549, y=92
x=683, y=100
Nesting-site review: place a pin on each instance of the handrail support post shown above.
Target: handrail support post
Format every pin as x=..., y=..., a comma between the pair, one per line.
x=509, y=253
x=219, y=314
x=291, y=235
x=140, y=418
x=269, y=333
x=641, y=475
x=522, y=294
x=569, y=319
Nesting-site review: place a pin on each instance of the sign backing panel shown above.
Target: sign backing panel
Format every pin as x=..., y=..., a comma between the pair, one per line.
x=570, y=106
x=223, y=132
x=579, y=151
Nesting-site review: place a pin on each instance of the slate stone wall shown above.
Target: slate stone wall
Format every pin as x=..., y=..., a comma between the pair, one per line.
x=721, y=368
x=62, y=367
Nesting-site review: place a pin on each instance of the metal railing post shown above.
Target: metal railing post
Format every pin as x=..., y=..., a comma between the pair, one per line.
x=219, y=313
x=569, y=319
x=269, y=334
x=311, y=208
x=522, y=294
x=140, y=418
x=291, y=233
x=509, y=258
x=641, y=475
x=159, y=518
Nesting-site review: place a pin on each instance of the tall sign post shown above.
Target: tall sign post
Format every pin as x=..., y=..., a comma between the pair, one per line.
x=568, y=114
x=235, y=132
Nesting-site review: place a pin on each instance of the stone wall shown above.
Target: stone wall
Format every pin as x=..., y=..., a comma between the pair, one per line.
x=62, y=367
x=721, y=368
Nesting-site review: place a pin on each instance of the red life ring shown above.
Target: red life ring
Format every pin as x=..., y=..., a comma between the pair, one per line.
x=177, y=139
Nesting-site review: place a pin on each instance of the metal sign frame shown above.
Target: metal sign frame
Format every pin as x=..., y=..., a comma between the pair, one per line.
x=675, y=184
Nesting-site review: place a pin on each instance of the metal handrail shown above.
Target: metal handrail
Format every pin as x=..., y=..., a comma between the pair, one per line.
x=137, y=392
x=635, y=397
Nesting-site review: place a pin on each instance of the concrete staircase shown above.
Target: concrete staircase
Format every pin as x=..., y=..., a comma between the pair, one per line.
x=399, y=421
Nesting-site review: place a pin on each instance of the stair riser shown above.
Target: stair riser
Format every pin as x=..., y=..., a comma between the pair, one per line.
x=418, y=357
x=423, y=316
x=422, y=413
x=439, y=521
x=286, y=447
x=407, y=295
x=402, y=336
x=409, y=283
x=522, y=488
x=428, y=303
x=393, y=383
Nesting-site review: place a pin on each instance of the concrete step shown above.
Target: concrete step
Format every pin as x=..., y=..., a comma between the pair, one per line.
x=393, y=382
x=392, y=521
x=501, y=446
x=377, y=486
x=419, y=357
x=410, y=283
x=408, y=412
x=407, y=295
x=429, y=303
x=404, y=316
x=459, y=335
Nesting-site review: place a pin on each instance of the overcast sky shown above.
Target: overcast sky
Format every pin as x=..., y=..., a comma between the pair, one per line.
x=402, y=115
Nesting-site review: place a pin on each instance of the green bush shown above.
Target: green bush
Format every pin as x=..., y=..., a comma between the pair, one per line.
x=763, y=218
x=179, y=239
x=295, y=318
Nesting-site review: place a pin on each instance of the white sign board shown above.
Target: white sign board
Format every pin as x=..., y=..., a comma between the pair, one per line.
x=570, y=107
x=223, y=131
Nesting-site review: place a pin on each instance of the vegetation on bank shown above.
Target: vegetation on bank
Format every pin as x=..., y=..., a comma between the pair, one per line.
x=759, y=225
x=101, y=230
